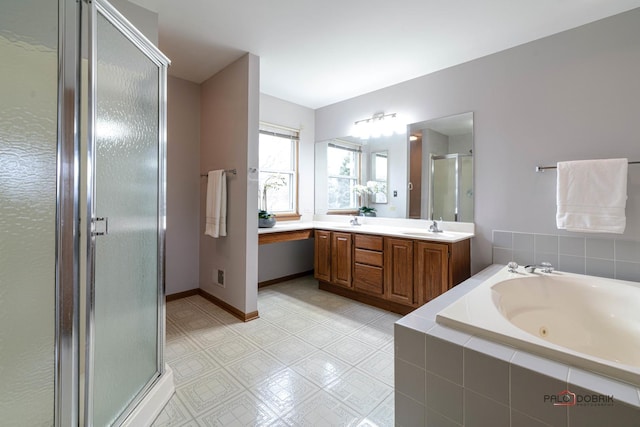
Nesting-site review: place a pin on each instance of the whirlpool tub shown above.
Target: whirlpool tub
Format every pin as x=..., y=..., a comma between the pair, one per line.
x=588, y=322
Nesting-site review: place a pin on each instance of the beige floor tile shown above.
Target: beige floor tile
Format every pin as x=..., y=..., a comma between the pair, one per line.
x=284, y=390
x=379, y=365
x=192, y=366
x=231, y=349
x=322, y=409
x=255, y=368
x=290, y=350
x=206, y=392
x=242, y=411
x=359, y=391
x=321, y=368
x=350, y=350
x=312, y=358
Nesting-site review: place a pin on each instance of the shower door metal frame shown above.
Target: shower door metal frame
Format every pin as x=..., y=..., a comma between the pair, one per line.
x=432, y=161
x=152, y=53
x=67, y=258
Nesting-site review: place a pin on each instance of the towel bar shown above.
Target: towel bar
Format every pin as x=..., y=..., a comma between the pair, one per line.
x=231, y=171
x=543, y=168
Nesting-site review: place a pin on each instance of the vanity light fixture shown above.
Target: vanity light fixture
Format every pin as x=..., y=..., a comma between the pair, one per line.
x=380, y=124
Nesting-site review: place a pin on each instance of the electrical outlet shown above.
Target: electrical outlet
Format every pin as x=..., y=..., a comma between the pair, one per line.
x=221, y=277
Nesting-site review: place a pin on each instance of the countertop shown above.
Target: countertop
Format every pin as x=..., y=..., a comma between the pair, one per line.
x=419, y=233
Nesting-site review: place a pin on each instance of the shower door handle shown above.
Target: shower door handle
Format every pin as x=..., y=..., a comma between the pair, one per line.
x=100, y=226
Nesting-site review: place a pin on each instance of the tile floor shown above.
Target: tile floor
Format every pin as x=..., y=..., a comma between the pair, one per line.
x=311, y=359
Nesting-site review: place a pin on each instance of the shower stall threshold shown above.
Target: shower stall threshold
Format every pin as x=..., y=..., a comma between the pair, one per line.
x=147, y=411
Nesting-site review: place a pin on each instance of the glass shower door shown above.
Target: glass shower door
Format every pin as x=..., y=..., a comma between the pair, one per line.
x=28, y=146
x=444, y=184
x=125, y=318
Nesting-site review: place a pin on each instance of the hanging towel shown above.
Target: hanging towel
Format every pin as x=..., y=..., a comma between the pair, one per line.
x=592, y=195
x=216, y=221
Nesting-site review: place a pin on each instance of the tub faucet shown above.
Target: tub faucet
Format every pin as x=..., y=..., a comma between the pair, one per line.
x=544, y=267
x=354, y=221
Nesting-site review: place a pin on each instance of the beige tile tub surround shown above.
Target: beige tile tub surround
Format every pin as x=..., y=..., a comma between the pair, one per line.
x=493, y=384
x=595, y=256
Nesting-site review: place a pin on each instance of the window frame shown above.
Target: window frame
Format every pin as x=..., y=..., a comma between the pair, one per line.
x=357, y=178
x=292, y=135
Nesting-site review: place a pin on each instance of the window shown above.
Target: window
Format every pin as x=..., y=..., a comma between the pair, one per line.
x=343, y=171
x=278, y=186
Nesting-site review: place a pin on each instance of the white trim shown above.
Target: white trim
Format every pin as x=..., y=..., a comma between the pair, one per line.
x=278, y=127
x=153, y=403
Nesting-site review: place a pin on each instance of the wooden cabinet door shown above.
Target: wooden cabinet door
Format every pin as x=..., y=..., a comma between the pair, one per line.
x=398, y=270
x=341, y=259
x=431, y=275
x=322, y=256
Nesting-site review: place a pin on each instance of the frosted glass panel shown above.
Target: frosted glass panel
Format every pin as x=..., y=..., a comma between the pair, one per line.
x=466, y=189
x=126, y=192
x=28, y=122
x=444, y=189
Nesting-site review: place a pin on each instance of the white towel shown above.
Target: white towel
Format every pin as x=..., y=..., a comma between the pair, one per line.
x=216, y=221
x=592, y=195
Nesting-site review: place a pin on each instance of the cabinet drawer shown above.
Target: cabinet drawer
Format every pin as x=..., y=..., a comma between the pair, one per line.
x=368, y=278
x=373, y=243
x=365, y=256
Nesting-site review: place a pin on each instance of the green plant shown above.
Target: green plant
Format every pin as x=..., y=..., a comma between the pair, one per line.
x=264, y=214
x=363, y=194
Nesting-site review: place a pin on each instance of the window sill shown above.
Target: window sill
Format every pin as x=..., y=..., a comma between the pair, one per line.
x=288, y=217
x=355, y=212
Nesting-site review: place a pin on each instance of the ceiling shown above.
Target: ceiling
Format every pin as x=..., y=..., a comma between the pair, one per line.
x=316, y=53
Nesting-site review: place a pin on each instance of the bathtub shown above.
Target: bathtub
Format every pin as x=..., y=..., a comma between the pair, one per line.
x=588, y=322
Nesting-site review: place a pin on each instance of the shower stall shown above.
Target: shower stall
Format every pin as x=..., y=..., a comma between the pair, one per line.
x=82, y=217
x=451, y=187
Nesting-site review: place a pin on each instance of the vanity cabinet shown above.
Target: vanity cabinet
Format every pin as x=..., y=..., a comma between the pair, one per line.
x=431, y=274
x=368, y=264
x=322, y=255
x=332, y=257
x=397, y=274
x=341, y=259
x=399, y=270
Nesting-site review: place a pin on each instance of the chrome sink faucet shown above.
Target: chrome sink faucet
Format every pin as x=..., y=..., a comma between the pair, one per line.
x=354, y=221
x=434, y=227
x=544, y=267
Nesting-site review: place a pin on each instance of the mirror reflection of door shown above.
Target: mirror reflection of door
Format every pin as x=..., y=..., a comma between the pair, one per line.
x=450, y=187
x=444, y=188
x=415, y=176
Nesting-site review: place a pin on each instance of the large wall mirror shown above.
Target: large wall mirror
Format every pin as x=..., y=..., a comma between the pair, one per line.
x=354, y=176
x=441, y=169
x=424, y=173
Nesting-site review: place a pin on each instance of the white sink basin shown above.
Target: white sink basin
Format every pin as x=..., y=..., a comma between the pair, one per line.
x=427, y=234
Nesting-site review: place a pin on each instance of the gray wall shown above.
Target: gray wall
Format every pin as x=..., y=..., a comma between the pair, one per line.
x=277, y=260
x=229, y=139
x=183, y=185
x=143, y=19
x=573, y=95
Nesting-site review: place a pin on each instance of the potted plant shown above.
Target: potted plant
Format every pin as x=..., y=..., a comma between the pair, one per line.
x=266, y=219
x=363, y=196
x=367, y=211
